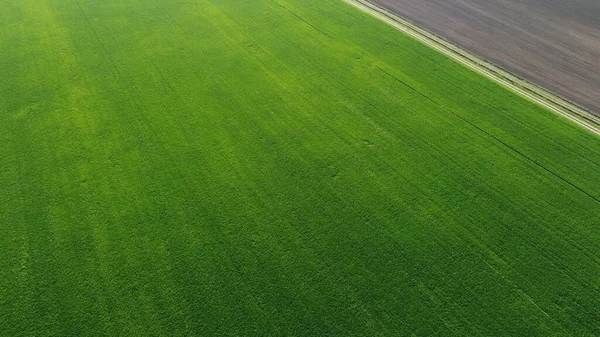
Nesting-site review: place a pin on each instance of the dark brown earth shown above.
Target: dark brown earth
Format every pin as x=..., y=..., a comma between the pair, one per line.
x=553, y=43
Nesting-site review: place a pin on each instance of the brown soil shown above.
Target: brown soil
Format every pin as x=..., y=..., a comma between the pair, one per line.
x=553, y=43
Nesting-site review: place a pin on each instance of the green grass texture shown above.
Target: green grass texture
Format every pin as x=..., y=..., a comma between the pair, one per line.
x=279, y=168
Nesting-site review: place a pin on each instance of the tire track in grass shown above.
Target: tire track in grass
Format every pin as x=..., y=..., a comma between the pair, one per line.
x=524, y=156
x=465, y=168
x=300, y=18
x=574, y=244
x=566, y=274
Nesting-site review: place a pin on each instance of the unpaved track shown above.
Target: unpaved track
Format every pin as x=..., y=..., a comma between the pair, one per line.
x=553, y=43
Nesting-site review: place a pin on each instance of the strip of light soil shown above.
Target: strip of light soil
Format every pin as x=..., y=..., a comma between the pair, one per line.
x=522, y=87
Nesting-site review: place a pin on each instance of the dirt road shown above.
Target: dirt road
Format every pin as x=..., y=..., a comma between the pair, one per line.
x=553, y=43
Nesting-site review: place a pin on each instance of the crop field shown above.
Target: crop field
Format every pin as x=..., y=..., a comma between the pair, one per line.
x=279, y=168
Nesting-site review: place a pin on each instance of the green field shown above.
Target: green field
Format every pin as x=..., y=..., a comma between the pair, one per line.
x=277, y=168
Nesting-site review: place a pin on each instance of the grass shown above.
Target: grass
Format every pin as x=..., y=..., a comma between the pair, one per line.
x=270, y=168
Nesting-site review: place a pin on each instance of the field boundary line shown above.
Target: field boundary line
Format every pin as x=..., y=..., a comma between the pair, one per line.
x=524, y=88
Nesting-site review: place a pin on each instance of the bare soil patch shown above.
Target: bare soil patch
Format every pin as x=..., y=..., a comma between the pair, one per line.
x=553, y=43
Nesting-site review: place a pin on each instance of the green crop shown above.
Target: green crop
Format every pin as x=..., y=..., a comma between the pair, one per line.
x=277, y=168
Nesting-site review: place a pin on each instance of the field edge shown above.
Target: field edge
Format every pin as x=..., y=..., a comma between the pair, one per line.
x=520, y=86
